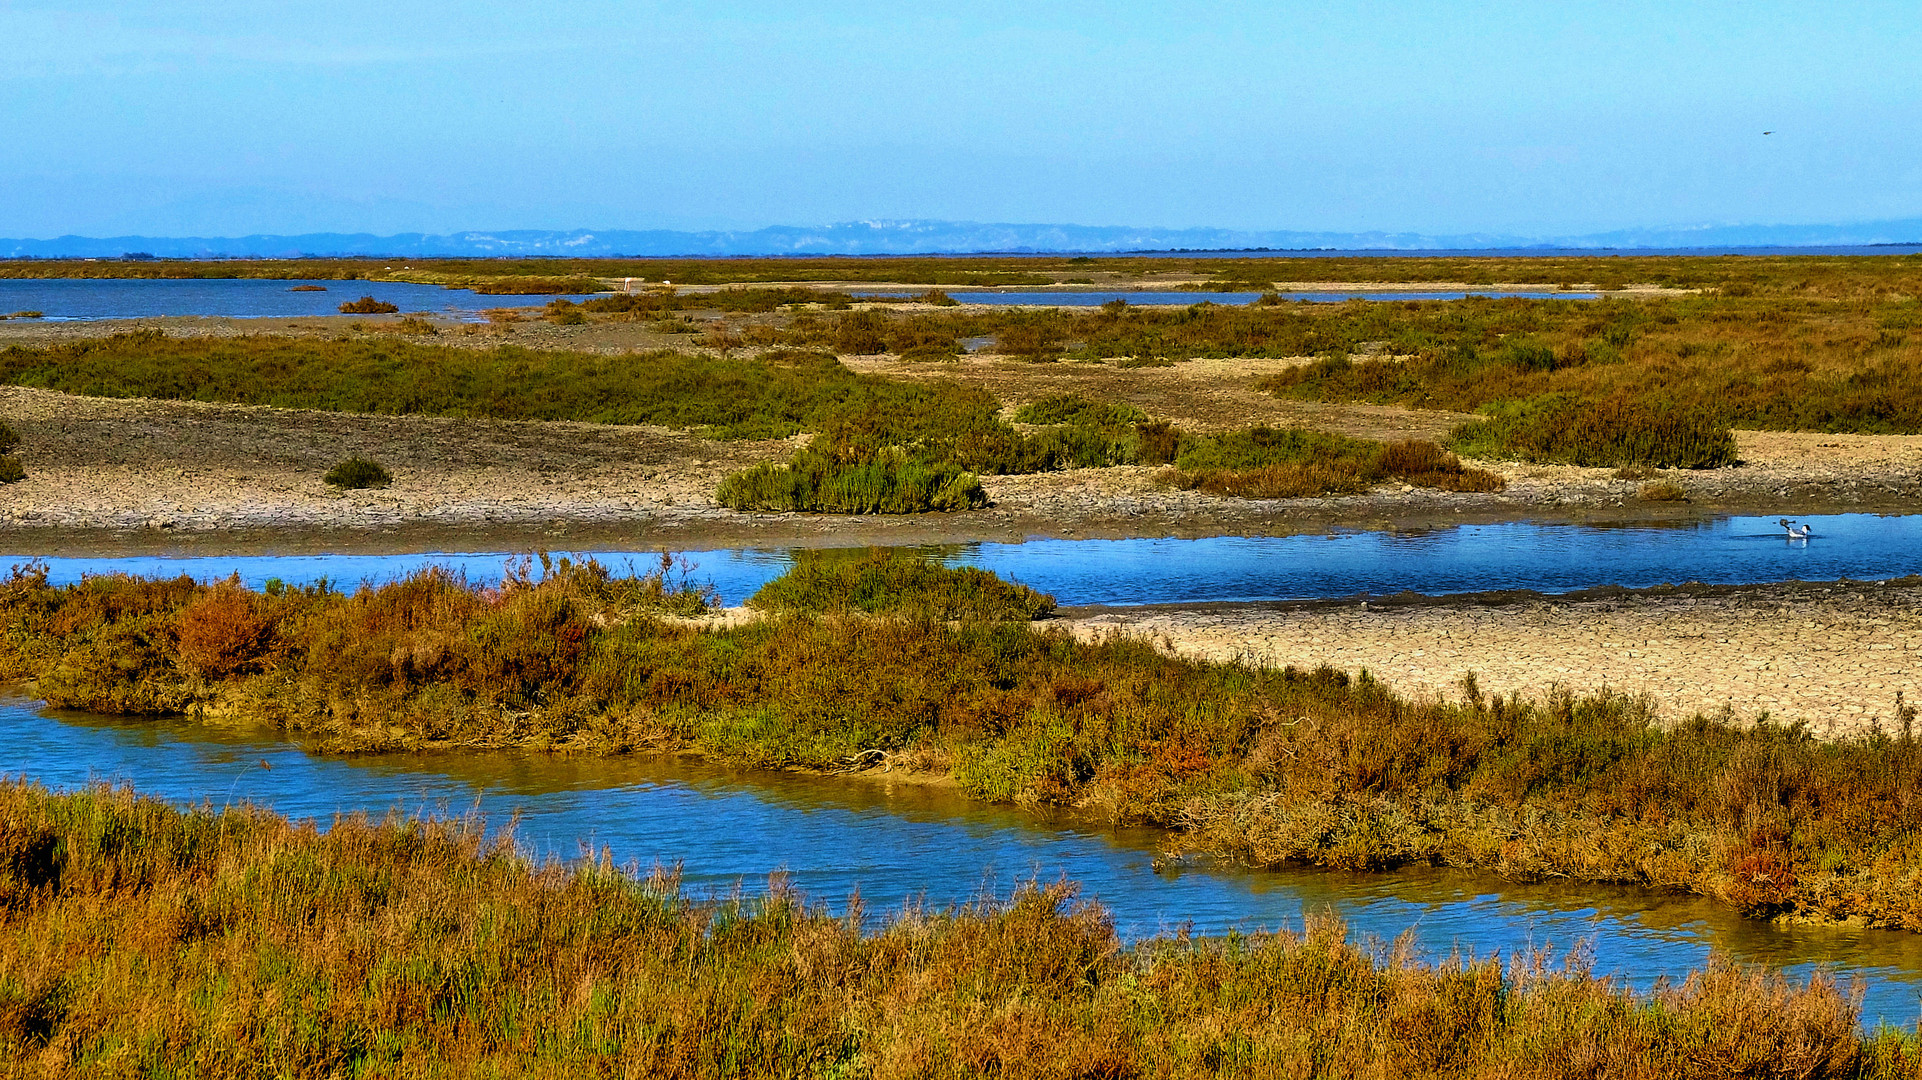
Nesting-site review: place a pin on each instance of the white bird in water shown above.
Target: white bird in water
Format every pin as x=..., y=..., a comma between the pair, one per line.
x=1795, y=532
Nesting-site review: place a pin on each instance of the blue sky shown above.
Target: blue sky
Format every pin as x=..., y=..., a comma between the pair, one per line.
x=1525, y=118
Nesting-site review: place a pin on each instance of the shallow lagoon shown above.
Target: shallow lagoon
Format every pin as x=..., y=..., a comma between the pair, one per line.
x=81, y=299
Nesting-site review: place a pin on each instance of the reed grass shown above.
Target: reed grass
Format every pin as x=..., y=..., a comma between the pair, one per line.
x=138, y=940
x=1272, y=765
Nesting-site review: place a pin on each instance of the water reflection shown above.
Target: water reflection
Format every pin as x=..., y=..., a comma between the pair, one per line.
x=901, y=842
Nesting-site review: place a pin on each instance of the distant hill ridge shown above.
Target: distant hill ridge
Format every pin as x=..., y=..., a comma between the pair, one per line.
x=935, y=237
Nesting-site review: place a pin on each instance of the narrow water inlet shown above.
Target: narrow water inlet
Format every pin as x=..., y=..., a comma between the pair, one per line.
x=907, y=843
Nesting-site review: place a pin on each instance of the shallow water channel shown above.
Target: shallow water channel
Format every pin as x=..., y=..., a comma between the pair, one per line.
x=907, y=843
x=71, y=299
x=1457, y=559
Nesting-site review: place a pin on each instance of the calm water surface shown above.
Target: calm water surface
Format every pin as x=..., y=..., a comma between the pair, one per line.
x=902, y=844
x=1467, y=558
x=65, y=299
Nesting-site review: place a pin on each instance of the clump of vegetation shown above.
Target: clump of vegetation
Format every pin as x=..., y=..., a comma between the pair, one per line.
x=539, y=286
x=356, y=472
x=1080, y=412
x=367, y=305
x=1290, y=463
x=22, y=315
x=465, y=951
x=1663, y=491
x=564, y=312
x=415, y=324
x=1618, y=431
x=307, y=288
x=891, y=581
x=825, y=479
x=938, y=298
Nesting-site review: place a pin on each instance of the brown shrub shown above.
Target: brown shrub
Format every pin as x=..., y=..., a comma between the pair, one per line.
x=222, y=632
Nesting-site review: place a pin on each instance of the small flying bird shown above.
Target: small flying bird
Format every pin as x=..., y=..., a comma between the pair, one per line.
x=1768, y=133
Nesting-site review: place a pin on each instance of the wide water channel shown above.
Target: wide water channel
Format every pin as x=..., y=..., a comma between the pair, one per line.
x=71, y=299
x=1456, y=559
x=905, y=844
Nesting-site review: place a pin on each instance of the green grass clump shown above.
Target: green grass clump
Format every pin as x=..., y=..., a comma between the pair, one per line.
x=9, y=438
x=11, y=471
x=139, y=936
x=1290, y=463
x=891, y=581
x=355, y=473
x=1081, y=412
x=367, y=305
x=1616, y=432
x=887, y=480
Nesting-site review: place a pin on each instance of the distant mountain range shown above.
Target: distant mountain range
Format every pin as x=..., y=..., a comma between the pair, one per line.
x=940, y=237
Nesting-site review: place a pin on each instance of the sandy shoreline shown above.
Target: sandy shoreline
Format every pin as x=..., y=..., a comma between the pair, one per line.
x=1833, y=656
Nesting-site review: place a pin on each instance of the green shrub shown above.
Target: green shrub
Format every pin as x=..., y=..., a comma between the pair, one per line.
x=884, y=481
x=357, y=472
x=1080, y=412
x=1268, y=463
x=367, y=305
x=564, y=312
x=892, y=581
x=11, y=470
x=1618, y=431
x=938, y=298
x=9, y=438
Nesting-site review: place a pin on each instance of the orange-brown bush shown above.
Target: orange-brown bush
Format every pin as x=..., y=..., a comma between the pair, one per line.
x=220, y=632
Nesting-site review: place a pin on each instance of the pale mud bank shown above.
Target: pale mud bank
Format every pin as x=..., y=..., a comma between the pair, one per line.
x=1833, y=656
